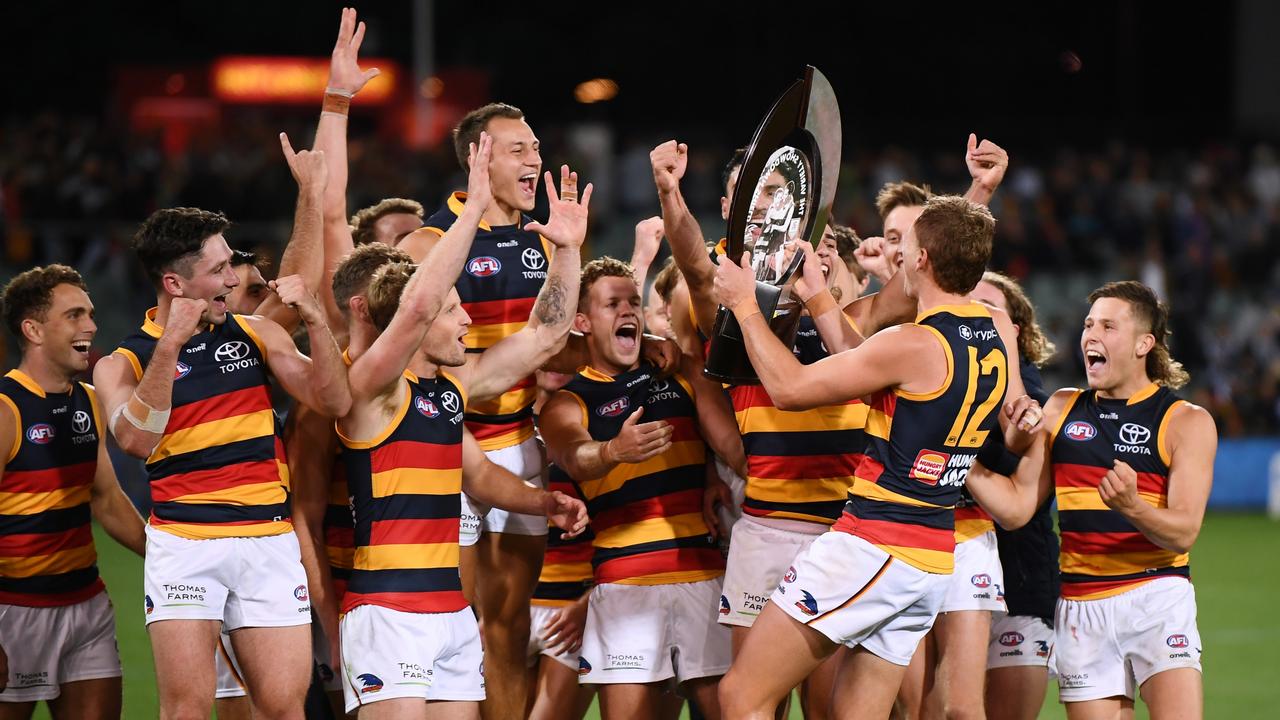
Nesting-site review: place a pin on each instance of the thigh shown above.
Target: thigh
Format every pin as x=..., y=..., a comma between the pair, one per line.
x=866, y=685
x=816, y=690
x=396, y=709
x=98, y=699
x=961, y=639
x=276, y=662
x=1174, y=694
x=628, y=701
x=507, y=571
x=1112, y=708
x=183, y=651
x=233, y=708
x=703, y=693
x=779, y=652
x=559, y=696
x=17, y=710
x=1016, y=693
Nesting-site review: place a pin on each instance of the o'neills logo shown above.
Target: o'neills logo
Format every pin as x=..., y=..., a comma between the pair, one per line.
x=929, y=466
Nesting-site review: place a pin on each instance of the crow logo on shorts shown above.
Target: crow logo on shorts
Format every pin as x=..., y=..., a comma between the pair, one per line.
x=151, y=607
x=724, y=605
x=807, y=604
x=584, y=667
x=1042, y=648
x=370, y=683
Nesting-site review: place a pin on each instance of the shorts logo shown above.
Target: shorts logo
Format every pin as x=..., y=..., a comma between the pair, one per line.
x=1042, y=648
x=1134, y=434
x=981, y=580
x=1080, y=431
x=533, y=259
x=613, y=408
x=807, y=604
x=369, y=683
x=790, y=575
x=40, y=433
x=181, y=371
x=426, y=407
x=300, y=593
x=1177, y=641
x=724, y=605
x=484, y=266
x=1011, y=639
x=151, y=607
x=929, y=466
x=584, y=667
x=80, y=422
x=234, y=350
x=450, y=401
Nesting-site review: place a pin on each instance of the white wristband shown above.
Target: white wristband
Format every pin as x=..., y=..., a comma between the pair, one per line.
x=154, y=422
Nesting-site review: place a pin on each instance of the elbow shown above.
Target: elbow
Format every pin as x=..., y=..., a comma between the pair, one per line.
x=1183, y=542
x=136, y=445
x=336, y=404
x=1012, y=520
x=787, y=400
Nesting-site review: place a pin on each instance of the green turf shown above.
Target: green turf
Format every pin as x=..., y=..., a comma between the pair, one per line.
x=1235, y=563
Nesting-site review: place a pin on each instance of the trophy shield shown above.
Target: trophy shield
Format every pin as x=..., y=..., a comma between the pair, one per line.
x=784, y=192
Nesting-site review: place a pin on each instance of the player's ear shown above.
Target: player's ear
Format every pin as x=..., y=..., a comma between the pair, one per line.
x=171, y=282
x=1146, y=342
x=724, y=208
x=32, y=331
x=582, y=324
x=358, y=306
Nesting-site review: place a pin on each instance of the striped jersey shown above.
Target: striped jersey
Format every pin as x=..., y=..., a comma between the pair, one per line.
x=220, y=468
x=801, y=464
x=339, y=529
x=405, y=487
x=647, y=516
x=499, y=284
x=921, y=445
x=47, y=556
x=566, y=566
x=1102, y=553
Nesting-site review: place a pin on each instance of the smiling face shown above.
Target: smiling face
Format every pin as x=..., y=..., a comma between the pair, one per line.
x=443, y=343
x=516, y=163
x=1114, y=344
x=67, y=331
x=612, y=322
x=896, y=224
x=211, y=278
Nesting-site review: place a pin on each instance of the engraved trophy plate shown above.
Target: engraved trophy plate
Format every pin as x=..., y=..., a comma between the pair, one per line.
x=795, y=160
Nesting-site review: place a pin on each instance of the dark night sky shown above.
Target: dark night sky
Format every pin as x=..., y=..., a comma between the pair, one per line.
x=903, y=72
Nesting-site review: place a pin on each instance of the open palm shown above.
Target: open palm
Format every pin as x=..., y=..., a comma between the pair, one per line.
x=567, y=222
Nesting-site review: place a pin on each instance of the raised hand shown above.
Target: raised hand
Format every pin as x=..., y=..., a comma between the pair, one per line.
x=307, y=166
x=567, y=222
x=987, y=162
x=871, y=256
x=567, y=513
x=639, y=441
x=735, y=284
x=669, y=161
x=293, y=293
x=345, y=74
x=648, y=239
x=811, y=281
x=479, y=192
x=185, y=316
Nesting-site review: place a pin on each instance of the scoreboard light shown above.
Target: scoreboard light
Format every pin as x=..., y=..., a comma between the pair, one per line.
x=288, y=80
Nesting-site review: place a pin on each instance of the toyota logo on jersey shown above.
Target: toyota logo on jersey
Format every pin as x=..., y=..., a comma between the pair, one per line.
x=234, y=350
x=532, y=259
x=484, y=266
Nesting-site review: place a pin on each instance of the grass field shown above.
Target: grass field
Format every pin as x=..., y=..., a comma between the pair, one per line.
x=1236, y=565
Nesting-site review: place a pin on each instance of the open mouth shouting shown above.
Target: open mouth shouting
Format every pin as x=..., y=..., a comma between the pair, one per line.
x=529, y=184
x=81, y=347
x=627, y=336
x=1095, y=362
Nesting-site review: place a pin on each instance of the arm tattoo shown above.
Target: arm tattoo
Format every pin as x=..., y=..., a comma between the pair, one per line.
x=550, y=307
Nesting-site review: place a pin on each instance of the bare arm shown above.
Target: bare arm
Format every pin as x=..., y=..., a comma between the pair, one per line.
x=111, y=507
x=669, y=161
x=838, y=333
x=494, y=485
x=987, y=164
x=1192, y=446
x=571, y=447
x=319, y=381
x=648, y=240
x=716, y=421
x=886, y=308
x=302, y=256
x=1013, y=500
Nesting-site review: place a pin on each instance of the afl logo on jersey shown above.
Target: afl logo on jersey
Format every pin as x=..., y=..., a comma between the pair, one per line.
x=613, y=408
x=80, y=422
x=426, y=407
x=484, y=266
x=181, y=371
x=40, y=433
x=533, y=259
x=1080, y=431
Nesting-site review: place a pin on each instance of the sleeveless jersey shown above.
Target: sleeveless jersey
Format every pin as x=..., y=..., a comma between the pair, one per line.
x=921, y=445
x=405, y=488
x=220, y=468
x=647, y=516
x=339, y=529
x=566, y=566
x=1103, y=554
x=47, y=556
x=499, y=284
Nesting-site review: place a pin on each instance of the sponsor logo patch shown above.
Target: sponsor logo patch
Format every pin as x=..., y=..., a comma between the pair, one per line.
x=1080, y=431
x=790, y=575
x=1177, y=641
x=181, y=371
x=929, y=466
x=613, y=408
x=807, y=604
x=80, y=422
x=426, y=407
x=484, y=266
x=234, y=350
x=1011, y=639
x=369, y=683
x=300, y=593
x=533, y=259
x=724, y=605
x=981, y=580
x=40, y=433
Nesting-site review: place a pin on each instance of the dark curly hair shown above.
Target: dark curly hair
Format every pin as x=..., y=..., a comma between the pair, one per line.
x=171, y=239
x=30, y=295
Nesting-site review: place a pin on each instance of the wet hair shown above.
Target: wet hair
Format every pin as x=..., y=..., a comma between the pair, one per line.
x=957, y=234
x=30, y=295
x=355, y=273
x=171, y=239
x=1153, y=316
x=362, y=230
x=1033, y=346
x=473, y=123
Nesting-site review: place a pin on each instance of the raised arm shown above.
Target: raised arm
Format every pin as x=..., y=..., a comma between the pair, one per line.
x=346, y=79
x=987, y=163
x=376, y=371
x=494, y=485
x=649, y=234
x=302, y=255
x=519, y=354
x=138, y=408
x=837, y=331
x=319, y=381
x=669, y=161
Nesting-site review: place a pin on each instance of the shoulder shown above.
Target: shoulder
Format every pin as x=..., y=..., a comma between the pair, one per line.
x=438, y=222
x=1186, y=418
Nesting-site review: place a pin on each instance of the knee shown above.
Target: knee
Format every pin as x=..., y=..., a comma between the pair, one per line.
x=732, y=692
x=965, y=713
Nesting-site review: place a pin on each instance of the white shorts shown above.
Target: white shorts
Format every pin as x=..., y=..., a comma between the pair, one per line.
x=526, y=461
x=241, y=581
x=539, y=618
x=51, y=646
x=978, y=580
x=758, y=557
x=1111, y=646
x=389, y=654
x=1019, y=641
x=230, y=679
x=648, y=633
x=857, y=594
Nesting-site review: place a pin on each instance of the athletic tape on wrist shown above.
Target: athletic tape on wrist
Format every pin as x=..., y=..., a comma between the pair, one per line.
x=336, y=104
x=820, y=303
x=154, y=422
